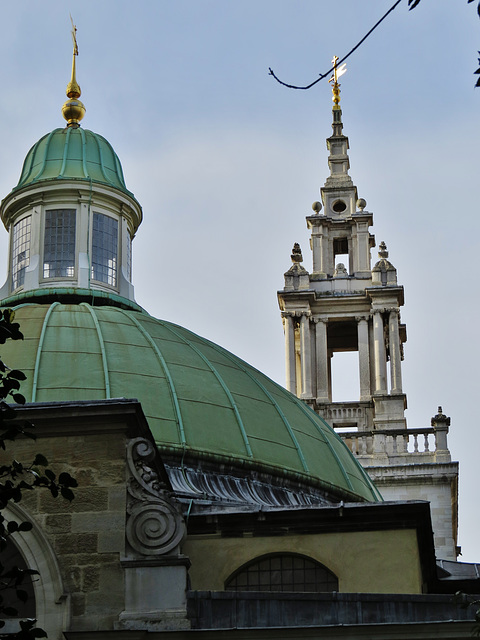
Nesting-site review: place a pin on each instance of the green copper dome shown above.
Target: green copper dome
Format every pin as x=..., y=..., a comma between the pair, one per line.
x=198, y=398
x=73, y=154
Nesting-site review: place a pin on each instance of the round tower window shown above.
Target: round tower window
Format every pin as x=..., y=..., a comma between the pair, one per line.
x=339, y=206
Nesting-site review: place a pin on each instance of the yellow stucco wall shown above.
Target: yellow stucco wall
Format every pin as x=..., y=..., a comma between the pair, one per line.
x=365, y=561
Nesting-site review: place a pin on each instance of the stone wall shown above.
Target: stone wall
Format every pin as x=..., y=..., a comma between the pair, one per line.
x=84, y=538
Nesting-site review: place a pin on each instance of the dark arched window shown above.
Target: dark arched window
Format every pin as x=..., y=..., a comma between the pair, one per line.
x=282, y=572
x=11, y=557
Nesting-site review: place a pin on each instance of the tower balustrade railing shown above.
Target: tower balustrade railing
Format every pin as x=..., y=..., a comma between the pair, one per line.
x=429, y=443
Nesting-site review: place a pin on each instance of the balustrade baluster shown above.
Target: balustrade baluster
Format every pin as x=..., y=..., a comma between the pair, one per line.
x=415, y=443
x=426, y=442
x=354, y=442
x=394, y=445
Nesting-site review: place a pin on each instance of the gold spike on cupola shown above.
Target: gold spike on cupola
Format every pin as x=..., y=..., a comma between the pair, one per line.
x=73, y=110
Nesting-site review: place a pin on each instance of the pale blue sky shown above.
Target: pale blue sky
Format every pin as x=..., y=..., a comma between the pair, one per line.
x=226, y=163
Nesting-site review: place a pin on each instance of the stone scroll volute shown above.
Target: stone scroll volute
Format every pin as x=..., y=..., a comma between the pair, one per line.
x=155, y=525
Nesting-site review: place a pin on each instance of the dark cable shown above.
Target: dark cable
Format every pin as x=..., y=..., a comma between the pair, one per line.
x=339, y=62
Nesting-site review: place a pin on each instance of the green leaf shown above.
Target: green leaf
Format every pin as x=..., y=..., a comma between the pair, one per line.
x=50, y=475
x=67, y=480
x=22, y=595
x=17, y=374
x=67, y=493
x=40, y=460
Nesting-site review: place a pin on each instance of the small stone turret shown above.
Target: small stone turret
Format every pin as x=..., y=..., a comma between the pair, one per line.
x=297, y=276
x=383, y=273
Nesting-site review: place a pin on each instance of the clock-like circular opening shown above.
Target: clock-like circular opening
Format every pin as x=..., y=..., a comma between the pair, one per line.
x=339, y=206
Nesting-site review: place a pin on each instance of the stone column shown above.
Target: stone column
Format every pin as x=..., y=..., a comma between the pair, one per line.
x=290, y=373
x=363, y=246
x=395, y=356
x=322, y=359
x=379, y=353
x=317, y=252
x=363, y=358
x=306, y=355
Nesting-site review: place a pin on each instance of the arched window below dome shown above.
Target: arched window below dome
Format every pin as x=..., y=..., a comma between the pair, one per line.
x=59, y=244
x=105, y=249
x=282, y=572
x=11, y=557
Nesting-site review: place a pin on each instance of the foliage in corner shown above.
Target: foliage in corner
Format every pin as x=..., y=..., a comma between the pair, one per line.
x=15, y=479
x=413, y=3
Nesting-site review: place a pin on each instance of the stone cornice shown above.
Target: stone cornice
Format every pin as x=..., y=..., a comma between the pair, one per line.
x=54, y=419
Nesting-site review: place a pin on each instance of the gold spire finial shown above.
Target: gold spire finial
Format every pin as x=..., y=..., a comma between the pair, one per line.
x=337, y=72
x=73, y=110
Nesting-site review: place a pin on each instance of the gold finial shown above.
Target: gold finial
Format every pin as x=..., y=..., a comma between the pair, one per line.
x=73, y=110
x=337, y=72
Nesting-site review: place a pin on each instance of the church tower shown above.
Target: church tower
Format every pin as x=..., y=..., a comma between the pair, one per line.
x=346, y=304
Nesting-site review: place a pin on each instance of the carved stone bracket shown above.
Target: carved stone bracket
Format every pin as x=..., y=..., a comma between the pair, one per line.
x=155, y=525
x=394, y=310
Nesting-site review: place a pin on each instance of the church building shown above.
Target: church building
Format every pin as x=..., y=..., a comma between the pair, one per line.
x=212, y=502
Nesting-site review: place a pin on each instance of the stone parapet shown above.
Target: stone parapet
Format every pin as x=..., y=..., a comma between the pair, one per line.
x=400, y=446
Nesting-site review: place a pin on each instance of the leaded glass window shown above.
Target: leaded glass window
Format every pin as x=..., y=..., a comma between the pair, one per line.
x=104, y=249
x=282, y=572
x=59, y=244
x=21, y=251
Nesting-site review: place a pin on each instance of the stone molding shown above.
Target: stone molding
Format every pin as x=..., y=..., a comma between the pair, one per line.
x=52, y=601
x=155, y=525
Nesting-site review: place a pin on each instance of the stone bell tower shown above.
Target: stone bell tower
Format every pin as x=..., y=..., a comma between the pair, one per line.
x=352, y=306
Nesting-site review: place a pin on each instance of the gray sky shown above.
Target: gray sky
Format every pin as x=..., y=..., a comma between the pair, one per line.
x=226, y=163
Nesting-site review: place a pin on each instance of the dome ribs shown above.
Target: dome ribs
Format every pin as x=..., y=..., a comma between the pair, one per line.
x=102, y=347
x=272, y=400
x=220, y=381
x=166, y=370
x=39, y=349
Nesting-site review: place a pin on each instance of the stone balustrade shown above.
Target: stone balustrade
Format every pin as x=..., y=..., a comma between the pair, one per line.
x=428, y=443
x=347, y=415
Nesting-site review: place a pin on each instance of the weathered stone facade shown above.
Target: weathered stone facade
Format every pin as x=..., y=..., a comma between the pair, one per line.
x=91, y=545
